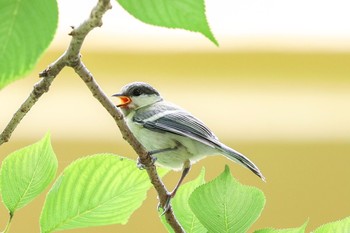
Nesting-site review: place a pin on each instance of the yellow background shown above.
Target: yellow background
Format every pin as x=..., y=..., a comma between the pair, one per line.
x=287, y=111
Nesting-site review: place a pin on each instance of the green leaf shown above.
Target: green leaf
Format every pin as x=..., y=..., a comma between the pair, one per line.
x=225, y=205
x=26, y=173
x=300, y=229
x=182, y=209
x=184, y=14
x=341, y=226
x=96, y=190
x=26, y=29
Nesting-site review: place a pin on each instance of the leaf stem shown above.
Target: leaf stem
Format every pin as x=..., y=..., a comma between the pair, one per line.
x=7, y=228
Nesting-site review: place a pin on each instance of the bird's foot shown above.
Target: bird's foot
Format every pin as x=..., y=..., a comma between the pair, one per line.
x=142, y=166
x=166, y=205
x=139, y=164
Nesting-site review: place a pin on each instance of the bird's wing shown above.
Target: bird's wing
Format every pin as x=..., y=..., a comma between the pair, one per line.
x=176, y=121
x=167, y=119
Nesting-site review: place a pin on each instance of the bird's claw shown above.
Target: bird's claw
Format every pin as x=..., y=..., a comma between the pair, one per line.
x=142, y=166
x=154, y=159
x=166, y=205
x=139, y=164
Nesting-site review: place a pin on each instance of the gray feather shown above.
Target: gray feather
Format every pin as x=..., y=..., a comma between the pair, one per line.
x=180, y=122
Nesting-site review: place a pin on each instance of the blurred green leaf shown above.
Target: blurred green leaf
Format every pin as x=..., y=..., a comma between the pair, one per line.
x=300, y=229
x=225, y=205
x=184, y=14
x=182, y=209
x=341, y=226
x=26, y=29
x=26, y=173
x=96, y=190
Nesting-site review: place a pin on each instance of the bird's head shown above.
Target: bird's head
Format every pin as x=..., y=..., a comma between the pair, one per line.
x=137, y=95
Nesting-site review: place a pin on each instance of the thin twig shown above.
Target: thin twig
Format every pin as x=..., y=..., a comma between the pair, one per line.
x=39, y=89
x=72, y=58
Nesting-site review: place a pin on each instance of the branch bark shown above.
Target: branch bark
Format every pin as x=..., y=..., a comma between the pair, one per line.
x=72, y=58
x=39, y=89
x=145, y=159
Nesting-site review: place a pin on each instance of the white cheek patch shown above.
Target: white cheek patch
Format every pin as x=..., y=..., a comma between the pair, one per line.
x=143, y=100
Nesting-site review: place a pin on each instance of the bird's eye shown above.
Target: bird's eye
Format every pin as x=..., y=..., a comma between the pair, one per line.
x=137, y=92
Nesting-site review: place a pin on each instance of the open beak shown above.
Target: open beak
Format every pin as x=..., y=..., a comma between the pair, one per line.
x=124, y=100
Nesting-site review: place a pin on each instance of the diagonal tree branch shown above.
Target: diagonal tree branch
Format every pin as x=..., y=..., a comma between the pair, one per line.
x=72, y=58
x=39, y=89
x=145, y=159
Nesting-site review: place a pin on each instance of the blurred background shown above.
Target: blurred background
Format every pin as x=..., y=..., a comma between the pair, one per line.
x=277, y=89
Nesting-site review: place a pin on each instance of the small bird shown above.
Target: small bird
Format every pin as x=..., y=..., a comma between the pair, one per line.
x=171, y=135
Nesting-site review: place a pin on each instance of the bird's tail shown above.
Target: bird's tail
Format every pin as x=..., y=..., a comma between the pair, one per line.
x=241, y=159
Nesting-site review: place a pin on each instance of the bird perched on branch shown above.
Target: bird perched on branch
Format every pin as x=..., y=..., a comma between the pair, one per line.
x=172, y=136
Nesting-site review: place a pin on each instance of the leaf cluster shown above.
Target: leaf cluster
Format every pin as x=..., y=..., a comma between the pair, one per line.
x=28, y=27
x=106, y=189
